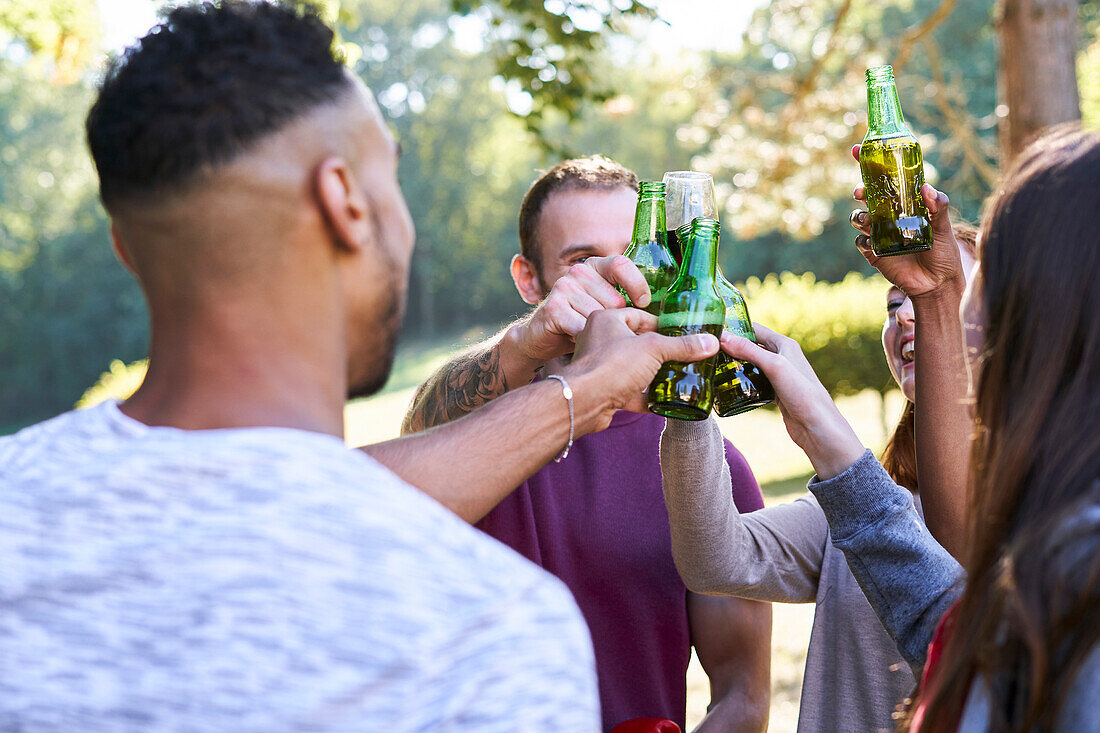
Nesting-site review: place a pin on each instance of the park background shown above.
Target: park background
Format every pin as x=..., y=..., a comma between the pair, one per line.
x=767, y=95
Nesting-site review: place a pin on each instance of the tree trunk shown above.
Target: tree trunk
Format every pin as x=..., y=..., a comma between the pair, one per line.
x=1038, y=79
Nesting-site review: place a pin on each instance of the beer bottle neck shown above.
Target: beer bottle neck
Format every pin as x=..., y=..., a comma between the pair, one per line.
x=649, y=219
x=884, y=115
x=701, y=254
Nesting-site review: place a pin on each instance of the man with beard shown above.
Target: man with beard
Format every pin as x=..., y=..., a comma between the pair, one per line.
x=209, y=555
x=597, y=519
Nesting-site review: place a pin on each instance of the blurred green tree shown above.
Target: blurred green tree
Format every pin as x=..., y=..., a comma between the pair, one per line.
x=554, y=51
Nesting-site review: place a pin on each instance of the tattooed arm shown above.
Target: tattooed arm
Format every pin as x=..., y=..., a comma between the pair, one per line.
x=512, y=357
x=471, y=379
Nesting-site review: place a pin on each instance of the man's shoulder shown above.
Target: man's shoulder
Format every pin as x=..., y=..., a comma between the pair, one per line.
x=345, y=519
x=59, y=433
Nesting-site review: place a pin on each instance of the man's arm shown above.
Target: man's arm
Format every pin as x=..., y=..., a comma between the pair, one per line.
x=512, y=357
x=471, y=464
x=474, y=377
x=733, y=640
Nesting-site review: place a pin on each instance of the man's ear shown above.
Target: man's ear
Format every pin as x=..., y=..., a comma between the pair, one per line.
x=120, y=250
x=344, y=204
x=526, y=278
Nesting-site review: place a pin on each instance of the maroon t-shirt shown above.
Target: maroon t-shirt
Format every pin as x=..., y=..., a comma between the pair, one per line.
x=597, y=520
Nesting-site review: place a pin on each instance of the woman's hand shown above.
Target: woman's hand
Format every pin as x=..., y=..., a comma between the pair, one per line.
x=809, y=413
x=925, y=273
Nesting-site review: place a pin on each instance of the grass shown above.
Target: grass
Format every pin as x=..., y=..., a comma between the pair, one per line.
x=779, y=465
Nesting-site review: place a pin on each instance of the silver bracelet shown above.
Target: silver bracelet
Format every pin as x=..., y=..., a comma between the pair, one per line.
x=568, y=394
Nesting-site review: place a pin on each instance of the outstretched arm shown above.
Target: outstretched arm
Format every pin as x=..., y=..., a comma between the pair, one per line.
x=935, y=281
x=471, y=464
x=909, y=578
x=512, y=357
x=772, y=554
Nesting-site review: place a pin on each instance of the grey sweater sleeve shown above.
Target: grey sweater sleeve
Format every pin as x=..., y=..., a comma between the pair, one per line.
x=907, y=576
x=773, y=554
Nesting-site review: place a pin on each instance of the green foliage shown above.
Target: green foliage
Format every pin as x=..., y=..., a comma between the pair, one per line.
x=778, y=118
x=839, y=325
x=467, y=161
x=62, y=36
x=553, y=50
x=68, y=307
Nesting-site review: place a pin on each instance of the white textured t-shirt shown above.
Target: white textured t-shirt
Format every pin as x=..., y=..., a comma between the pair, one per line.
x=262, y=579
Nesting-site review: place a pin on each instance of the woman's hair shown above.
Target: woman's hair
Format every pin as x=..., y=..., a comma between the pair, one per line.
x=899, y=457
x=1027, y=619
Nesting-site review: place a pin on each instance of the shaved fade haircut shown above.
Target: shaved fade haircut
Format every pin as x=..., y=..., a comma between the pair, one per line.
x=202, y=86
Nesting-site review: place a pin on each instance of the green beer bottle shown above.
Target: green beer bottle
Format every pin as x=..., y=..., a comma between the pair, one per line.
x=893, y=172
x=739, y=386
x=649, y=245
x=686, y=391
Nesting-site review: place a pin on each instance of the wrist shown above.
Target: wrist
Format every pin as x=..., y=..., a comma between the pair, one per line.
x=945, y=296
x=590, y=401
x=832, y=446
x=518, y=365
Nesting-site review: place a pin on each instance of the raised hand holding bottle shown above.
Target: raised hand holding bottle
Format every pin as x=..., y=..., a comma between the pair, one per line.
x=892, y=164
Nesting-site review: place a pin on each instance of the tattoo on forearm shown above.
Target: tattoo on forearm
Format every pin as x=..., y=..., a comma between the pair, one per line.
x=460, y=387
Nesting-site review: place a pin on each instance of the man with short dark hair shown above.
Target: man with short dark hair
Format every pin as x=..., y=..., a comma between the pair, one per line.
x=209, y=555
x=597, y=518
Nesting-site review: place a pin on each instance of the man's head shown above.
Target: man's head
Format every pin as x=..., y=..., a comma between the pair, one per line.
x=580, y=208
x=250, y=179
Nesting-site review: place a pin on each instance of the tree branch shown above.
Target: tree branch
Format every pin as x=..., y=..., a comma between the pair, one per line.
x=962, y=132
x=809, y=79
x=918, y=32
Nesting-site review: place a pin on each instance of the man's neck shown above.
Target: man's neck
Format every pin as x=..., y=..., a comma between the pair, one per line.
x=230, y=373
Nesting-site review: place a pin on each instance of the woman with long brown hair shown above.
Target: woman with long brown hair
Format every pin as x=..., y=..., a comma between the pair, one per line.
x=1020, y=650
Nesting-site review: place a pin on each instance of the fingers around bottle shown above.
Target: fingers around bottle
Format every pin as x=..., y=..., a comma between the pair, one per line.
x=584, y=278
x=936, y=201
x=939, y=210
x=863, y=244
x=563, y=316
x=742, y=348
x=861, y=220
x=855, y=152
x=638, y=320
x=583, y=303
x=682, y=348
x=619, y=270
